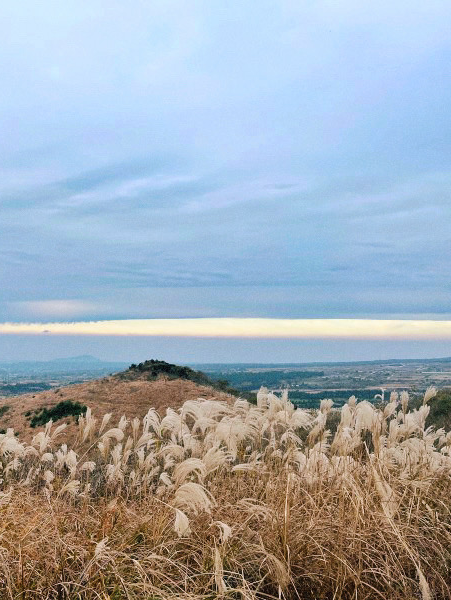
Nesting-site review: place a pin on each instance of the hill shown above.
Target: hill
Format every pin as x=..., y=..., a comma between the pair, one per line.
x=131, y=393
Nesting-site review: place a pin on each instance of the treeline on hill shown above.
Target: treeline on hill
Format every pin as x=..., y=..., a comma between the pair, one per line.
x=440, y=410
x=153, y=369
x=340, y=397
x=16, y=389
x=252, y=380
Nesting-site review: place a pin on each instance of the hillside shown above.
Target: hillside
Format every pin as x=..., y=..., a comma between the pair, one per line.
x=230, y=502
x=130, y=393
x=440, y=414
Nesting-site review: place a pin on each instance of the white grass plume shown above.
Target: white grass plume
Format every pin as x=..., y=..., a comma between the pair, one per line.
x=193, y=497
x=181, y=524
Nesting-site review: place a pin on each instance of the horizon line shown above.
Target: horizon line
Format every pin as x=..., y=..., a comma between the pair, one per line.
x=241, y=327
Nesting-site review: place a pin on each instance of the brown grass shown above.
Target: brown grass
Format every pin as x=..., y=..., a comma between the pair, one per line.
x=107, y=395
x=221, y=501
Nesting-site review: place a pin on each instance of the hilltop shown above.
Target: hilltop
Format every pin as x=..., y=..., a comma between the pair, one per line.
x=131, y=393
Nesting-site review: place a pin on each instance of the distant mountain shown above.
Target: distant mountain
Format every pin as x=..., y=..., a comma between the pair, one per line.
x=72, y=364
x=84, y=358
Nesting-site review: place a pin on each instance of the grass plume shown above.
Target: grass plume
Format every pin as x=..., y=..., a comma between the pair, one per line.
x=232, y=501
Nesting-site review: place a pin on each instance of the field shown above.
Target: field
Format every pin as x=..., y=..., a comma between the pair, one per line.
x=309, y=383
x=231, y=500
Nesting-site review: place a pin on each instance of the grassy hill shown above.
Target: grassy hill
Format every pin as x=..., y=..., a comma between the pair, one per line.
x=130, y=393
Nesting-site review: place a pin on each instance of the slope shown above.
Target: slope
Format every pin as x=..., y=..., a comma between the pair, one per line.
x=130, y=393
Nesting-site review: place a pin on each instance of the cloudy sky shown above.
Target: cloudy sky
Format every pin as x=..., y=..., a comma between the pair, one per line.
x=242, y=159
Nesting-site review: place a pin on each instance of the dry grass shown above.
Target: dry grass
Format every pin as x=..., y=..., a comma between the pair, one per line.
x=222, y=501
x=107, y=395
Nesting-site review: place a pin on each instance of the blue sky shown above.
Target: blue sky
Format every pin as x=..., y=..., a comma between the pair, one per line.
x=224, y=159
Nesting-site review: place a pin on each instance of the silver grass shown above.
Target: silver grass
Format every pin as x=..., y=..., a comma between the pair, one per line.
x=424, y=586
x=71, y=488
x=430, y=393
x=42, y=440
x=123, y=422
x=193, y=445
x=380, y=396
x=203, y=423
x=290, y=437
x=12, y=466
x=193, y=497
x=215, y=409
x=386, y=494
x=48, y=477
x=193, y=409
x=146, y=439
x=105, y=421
x=136, y=424
x=241, y=406
x=394, y=397
x=221, y=587
x=100, y=548
x=365, y=416
x=346, y=416
x=104, y=448
x=173, y=451
x=300, y=419
x=181, y=524
x=164, y=477
x=169, y=462
x=390, y=409
x=245, y=467
x=114, y=474
x=326, y=405
x=214, y=458
x=47, y=457
x=152, y=420
x=58, y=431
x=116, y=454
x=115, y=433
x=88, y=465
x=225, y=531
x=174, y=424
x=9, y=444
x=187, y=468
x=404, y=400
x=256, y=508
x=262, y=397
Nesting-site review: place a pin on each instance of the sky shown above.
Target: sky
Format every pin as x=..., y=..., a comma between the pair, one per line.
x=225, y=160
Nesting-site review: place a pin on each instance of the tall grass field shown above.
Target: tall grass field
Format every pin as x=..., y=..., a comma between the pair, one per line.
x=238, y=501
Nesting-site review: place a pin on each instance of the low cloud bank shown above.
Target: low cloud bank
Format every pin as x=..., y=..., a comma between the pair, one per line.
x=243, y=327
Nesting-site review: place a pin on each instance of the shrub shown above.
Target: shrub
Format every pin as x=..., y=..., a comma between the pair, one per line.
x=4, y=409
x=66, y=408
x=440, y=414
